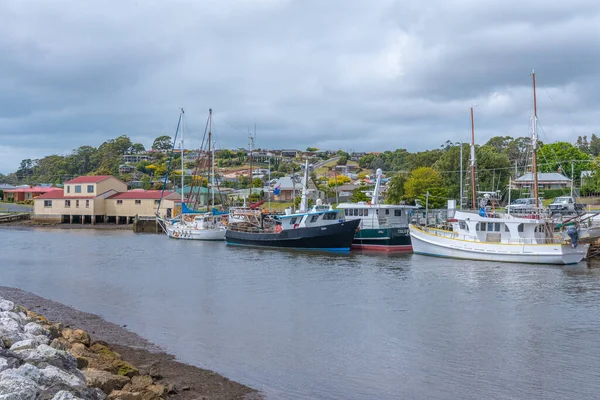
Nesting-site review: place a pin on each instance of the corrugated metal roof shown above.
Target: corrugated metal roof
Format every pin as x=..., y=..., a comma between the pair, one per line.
x=89, y=179
x=543, y=176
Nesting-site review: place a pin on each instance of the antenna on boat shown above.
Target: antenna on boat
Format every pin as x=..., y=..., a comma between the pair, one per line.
x=375, y=197
x=473, y=189
x=534, y=140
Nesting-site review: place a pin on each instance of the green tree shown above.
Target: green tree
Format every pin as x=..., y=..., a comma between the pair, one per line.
x=557, y=155
x=312, y=149
x=146, y=183
x=137, y=148
x=1, y=195
x=162, y=143
x=595, y=145
x=358, y=195
x=423, y=180
x=395, y=192
x=343, y=160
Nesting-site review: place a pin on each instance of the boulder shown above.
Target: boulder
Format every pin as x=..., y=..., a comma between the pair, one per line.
x=45, y=355
x=54, y=331
x=20, y=318
x=35, y=329
x=61, y=344
x=76, y=336
x=81, y=392
x=122, y=395
x=6, y=305
x=65, y=395
x=100, y=357
x=14, y=387
x=29, y=343
x=158, y=389
x=104, y=380
x=138, y=383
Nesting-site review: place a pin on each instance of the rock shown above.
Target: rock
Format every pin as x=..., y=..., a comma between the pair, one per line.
x=28, y=343
x=81, y=392
x=76, y=336
x=53, y=375
x=6, y=305
x=35, y=329
x=104, y=380
x=121, y=395
x=8, y=360
x=138, y=383
x=21, y=319
x=171, y=389
x=17, y=387
x=65, y=395
x=185, y=388
x=46, y=355
x=54, y=331
x=158, y=389
x=61, y=344
x=2, y=346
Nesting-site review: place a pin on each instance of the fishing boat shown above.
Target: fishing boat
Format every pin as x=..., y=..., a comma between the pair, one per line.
x=191, y=224
x=488, y=235
x=382, y=227
x=319, y=228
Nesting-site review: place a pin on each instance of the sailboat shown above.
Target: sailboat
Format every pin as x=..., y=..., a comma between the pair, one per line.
x=196, y=225
x=488, y=235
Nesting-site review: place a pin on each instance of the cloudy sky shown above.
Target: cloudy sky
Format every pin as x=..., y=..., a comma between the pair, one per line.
x=354, y=74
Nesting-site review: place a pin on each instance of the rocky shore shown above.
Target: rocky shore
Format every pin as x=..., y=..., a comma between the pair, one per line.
x=44, y=360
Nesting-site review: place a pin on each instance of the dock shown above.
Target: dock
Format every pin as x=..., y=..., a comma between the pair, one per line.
x=4, y=218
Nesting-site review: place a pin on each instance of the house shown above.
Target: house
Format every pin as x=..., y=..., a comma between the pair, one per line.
x=291, y=153
x=284, y=189
x=199, y=195
x=6, y=186
x=135, y=158
x=82, y=200
x=27, y=193
x=355, y=156
x=546, y=180
x=126, y=169
x=124, y=207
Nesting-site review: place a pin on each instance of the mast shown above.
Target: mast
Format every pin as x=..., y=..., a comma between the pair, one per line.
x=304, y=200
x=182, y=165
x=534, y=140
x=209, y=160
x=375, y=197
x=473, y=190
x=251, y=144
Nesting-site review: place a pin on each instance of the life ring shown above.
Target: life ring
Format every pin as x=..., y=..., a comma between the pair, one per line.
x=175, y=234
x=296, y=225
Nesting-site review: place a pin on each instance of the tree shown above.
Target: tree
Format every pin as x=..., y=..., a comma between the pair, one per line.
x=338, y=180
x=1, y=195
x=343, y=160
x=162, y=143
x=358, y=195
x=146, y=184
x=395, y=192
x=423, y=180
x=595, y=145
x=561, y=154
x=311, y=149
x=137, y=148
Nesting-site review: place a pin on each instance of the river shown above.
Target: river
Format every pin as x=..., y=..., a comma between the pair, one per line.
x=318, y=326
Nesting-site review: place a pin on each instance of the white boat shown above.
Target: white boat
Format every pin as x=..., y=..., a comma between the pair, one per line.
x=500, y=237
x=490, y=236
x=194, y=225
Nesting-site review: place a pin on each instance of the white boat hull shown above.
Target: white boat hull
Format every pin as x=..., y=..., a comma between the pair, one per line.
x=196, y=234
x=433, y=245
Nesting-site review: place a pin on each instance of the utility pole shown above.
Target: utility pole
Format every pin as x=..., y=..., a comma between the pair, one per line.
x=572, y=178
x=426, y=208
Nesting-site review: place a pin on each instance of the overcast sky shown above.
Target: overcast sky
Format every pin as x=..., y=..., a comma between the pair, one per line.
x=354, y=74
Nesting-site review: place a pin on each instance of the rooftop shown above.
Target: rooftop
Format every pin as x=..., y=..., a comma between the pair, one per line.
x=35, y=189
x=89, y=179
x=543, y=177
x=140, y=194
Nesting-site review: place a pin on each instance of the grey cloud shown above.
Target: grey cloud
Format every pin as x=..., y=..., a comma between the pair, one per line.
x=354, y=75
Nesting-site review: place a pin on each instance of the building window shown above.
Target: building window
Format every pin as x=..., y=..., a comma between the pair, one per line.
x=138, y=202
x=90, y=189
x=87, y=204
x=119, y=202
x=157, y=202
x=47, y=203
x=77, y=188
x=76, y=203
x=397, y=213
x=68, y=188
x=67, y=203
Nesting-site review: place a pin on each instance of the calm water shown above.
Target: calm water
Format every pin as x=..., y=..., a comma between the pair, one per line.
x=304, y=326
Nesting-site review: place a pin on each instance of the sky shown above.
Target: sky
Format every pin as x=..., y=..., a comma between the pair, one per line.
x=355, y=75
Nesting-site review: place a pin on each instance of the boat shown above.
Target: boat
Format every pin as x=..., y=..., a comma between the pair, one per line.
x=487, y=235
x=191, y=224
x=382, y=227
x=319, y=228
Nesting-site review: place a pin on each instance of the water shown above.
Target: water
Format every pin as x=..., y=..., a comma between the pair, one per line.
x=317, y=326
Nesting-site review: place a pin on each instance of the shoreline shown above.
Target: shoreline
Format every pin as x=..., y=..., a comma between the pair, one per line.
x=189, y=381
x=31, y=224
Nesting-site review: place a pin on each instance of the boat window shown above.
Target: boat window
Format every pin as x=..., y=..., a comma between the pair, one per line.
x=387, y=212
x=497, y=226
x=314, y=218
x=397, y=213
x=330, y=216
x=361, y=212
x=506, y=228
x=346, y=212
x=292, y=221
x=477, y=227
x=462, y=225
x=520, y=228
x=490, y=227
x=356, y=212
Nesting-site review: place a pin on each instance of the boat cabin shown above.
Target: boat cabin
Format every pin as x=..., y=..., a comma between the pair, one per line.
x=376, y=216
x=318, y=215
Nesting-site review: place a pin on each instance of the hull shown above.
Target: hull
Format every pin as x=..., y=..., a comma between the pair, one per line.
x=432, y=245
x=196, y=234
x=334, y=237
x=385, y=239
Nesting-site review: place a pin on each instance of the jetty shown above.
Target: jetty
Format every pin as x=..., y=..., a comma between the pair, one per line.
x=4, y=218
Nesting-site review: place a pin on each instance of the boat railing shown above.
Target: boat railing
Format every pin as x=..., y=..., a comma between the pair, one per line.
x=468, y=238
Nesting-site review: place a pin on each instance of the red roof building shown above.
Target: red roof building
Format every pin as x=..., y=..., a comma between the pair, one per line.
x=30, y=193
x=141, y=194
x=89, y=179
